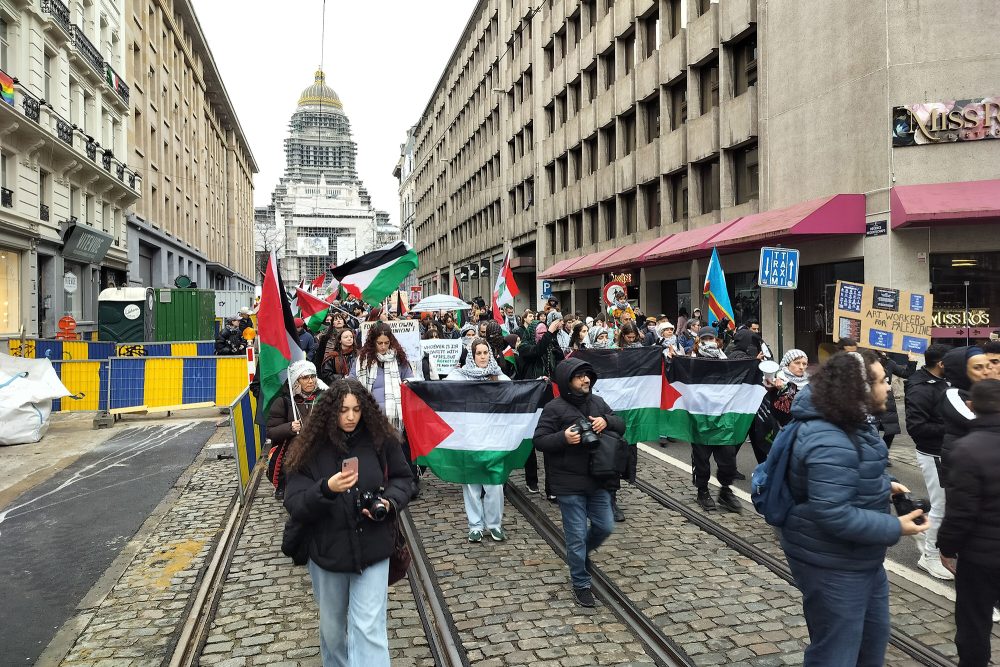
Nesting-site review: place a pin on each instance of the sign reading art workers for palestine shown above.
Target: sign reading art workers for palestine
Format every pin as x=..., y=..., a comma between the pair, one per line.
x=946, y=121
x=883, y=318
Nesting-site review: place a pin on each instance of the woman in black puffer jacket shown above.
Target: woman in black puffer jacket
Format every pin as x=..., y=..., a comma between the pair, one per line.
x=348, y=546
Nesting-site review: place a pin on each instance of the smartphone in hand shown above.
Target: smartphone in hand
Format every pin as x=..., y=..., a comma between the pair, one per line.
x=350, y=466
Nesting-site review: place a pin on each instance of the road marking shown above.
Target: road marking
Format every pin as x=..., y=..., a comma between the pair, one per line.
x=904, y=571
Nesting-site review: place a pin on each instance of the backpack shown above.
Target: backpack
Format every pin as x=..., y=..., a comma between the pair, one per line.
x=769, y=490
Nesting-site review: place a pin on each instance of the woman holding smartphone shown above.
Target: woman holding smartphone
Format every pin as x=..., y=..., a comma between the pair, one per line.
x=346, y=476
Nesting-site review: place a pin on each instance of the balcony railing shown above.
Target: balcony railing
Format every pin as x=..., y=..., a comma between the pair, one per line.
x=32, y=109
x=65, y=131
x=88, y=51
x=106, y=160
x=116, y=82
x=6, y=198
x=120, y=171
x=91, y=148
x=60, y=13
x=43, y=213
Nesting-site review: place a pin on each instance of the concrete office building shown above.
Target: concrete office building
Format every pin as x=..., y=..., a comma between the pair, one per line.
x=196, y=214
x=65, y=188
x=628, y=137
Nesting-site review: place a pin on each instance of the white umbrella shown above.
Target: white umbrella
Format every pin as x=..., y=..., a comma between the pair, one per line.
x=440, y=302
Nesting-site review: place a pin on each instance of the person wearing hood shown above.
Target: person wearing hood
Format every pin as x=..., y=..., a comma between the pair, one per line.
x=467, y=334
x=230, y=339
x=744, y=346
x=483, y=502
x=836, y=534
x=601, y=338
x=495, y=337
x=667, y=339
x=288, y=415
x=583, y=499
x=925, y=392
x=963, y=367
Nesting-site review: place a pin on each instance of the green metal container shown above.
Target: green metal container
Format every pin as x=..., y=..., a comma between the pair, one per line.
x=184, y=314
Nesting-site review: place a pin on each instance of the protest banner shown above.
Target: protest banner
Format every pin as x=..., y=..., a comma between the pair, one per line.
x=408, y=334
x=882, y=318
x=444, y=353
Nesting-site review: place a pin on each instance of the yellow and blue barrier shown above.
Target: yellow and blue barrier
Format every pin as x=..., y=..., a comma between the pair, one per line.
x=247, y=436
x=173, y=382
x=87, y=381
x=76, y=350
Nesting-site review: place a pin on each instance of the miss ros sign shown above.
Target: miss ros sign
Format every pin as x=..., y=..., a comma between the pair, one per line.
x=945, y=122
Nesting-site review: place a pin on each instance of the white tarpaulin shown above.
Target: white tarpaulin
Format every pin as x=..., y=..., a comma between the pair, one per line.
x=27, y=387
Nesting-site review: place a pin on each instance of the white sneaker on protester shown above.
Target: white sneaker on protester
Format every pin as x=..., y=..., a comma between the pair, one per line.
x=934, y=568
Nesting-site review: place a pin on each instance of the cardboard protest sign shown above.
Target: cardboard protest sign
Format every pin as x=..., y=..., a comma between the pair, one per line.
x=408, y=334
x=444, y=353
x=882, y=318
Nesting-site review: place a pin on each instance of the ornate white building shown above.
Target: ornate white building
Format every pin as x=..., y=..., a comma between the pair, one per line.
x=322, y=212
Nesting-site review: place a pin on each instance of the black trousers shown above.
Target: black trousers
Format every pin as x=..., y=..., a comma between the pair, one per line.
x=531, y=470
x=701, y=461
x=977, y=591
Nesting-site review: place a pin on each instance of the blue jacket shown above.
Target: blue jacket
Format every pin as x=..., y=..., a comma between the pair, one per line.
x=842, y=520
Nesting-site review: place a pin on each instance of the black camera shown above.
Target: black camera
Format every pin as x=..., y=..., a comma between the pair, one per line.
x=371, y=502
x=586, y=431
x=904, y=504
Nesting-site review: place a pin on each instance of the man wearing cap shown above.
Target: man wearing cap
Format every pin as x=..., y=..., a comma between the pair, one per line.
x=306, y=340
x=246, y=322
x=582, y=498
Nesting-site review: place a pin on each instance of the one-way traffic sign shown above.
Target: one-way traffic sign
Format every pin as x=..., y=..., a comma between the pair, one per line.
x=779, y=268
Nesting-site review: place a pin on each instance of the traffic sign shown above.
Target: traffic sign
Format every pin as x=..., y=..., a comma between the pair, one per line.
x=546, y=289
x=779, y=268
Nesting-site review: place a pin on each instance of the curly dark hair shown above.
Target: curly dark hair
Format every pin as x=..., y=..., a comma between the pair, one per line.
x=841, y=392
x=321, y=430
x=367, y=356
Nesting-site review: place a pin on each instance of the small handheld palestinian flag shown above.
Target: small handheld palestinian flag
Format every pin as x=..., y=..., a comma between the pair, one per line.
x=510, y=356
x=314, y=310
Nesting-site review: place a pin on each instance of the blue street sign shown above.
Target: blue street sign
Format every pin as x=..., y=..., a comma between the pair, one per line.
x=779, y=268
x=546, y=289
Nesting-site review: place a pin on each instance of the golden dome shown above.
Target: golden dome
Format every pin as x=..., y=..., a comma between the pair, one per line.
x=319, y=93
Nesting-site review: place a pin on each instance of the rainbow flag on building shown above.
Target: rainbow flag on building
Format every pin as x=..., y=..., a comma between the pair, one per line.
x=7, y=88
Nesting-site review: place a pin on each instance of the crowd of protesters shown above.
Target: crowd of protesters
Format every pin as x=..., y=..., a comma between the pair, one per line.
x=845, y=412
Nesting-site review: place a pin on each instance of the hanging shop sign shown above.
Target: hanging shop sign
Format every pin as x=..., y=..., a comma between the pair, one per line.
x=85, y=244
x=883, y=318
x=945, y=122
x=625, y=278
x=876, y=228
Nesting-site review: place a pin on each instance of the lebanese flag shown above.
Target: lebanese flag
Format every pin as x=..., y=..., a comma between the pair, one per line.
x=632, y=383
x=456, y=292
x=445, y=423
x=717, y=399
x=377, y=274
x=279, y=341
x=313, y=309
x=505, y=289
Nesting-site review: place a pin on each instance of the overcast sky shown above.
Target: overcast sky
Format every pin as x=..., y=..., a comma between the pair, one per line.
x=383, y=58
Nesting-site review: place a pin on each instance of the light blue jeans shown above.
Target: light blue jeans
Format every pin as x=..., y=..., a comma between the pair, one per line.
x=581, y=539
x=483, y=511
x=352, y=615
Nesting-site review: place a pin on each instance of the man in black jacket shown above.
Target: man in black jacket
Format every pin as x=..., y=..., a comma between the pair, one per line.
x=925, y=391
x=580, y=495
x=969, y=538
x=963, y=367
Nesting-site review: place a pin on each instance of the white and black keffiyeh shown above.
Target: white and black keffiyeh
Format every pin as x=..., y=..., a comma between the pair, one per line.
x=393, y=401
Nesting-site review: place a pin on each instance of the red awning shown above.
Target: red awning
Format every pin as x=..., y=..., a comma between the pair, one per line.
x=968, y=202
x=837, y=214
x=558, y=269
x=689, y=243
x=592, y=263
x=635, y=254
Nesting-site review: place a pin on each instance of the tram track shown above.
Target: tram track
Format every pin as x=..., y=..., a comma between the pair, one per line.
x=664, y=651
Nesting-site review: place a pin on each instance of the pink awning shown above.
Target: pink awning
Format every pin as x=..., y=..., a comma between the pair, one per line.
x=592, y=263
x=689, y=243
x=635, y=254
x=837, y=214
x=557, y=270
x=968, y=202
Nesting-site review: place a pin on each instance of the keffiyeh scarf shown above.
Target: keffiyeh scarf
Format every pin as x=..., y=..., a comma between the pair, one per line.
x=393, y=402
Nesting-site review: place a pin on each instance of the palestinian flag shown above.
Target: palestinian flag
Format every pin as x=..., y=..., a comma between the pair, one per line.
x=510, y=356
x=314, y=309
x=505, y=289
x=472, y=432
x=317, y=284
x=279, y=341
x=712, y=401
x=377, y=274
x=632, y=383
x=457, y=293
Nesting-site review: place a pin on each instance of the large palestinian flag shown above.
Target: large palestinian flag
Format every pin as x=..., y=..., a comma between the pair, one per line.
x=712, y=401
x=631, y=382
x=472, y=432
x=377, y=274
x=279, y=340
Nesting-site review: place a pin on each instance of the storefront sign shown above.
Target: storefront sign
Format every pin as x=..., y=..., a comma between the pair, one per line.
x=626, y=278
x=445, y=353
x=943, y=122
x=86, y=244
x=882, y=318
x=876, y=228
x=70, y=282
x=974, y=317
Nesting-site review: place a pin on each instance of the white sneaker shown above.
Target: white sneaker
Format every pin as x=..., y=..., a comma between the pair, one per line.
x=996, y=615
x=934, y=568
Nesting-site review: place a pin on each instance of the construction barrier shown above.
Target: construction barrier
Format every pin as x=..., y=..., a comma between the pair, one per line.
x=247, y=437
x=170, y=383
x=87, y=381
x=76, y=350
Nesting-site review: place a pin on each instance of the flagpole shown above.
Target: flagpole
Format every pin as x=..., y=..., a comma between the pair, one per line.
x=291, y=397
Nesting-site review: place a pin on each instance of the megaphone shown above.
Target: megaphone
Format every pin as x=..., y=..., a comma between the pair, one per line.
x=769, y=369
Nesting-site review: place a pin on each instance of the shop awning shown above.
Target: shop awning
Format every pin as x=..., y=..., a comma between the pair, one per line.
x=689, y=243
x=558, y=269
x=635, y=254
x=592, y=263
x=836, y=214
x=969, y=202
